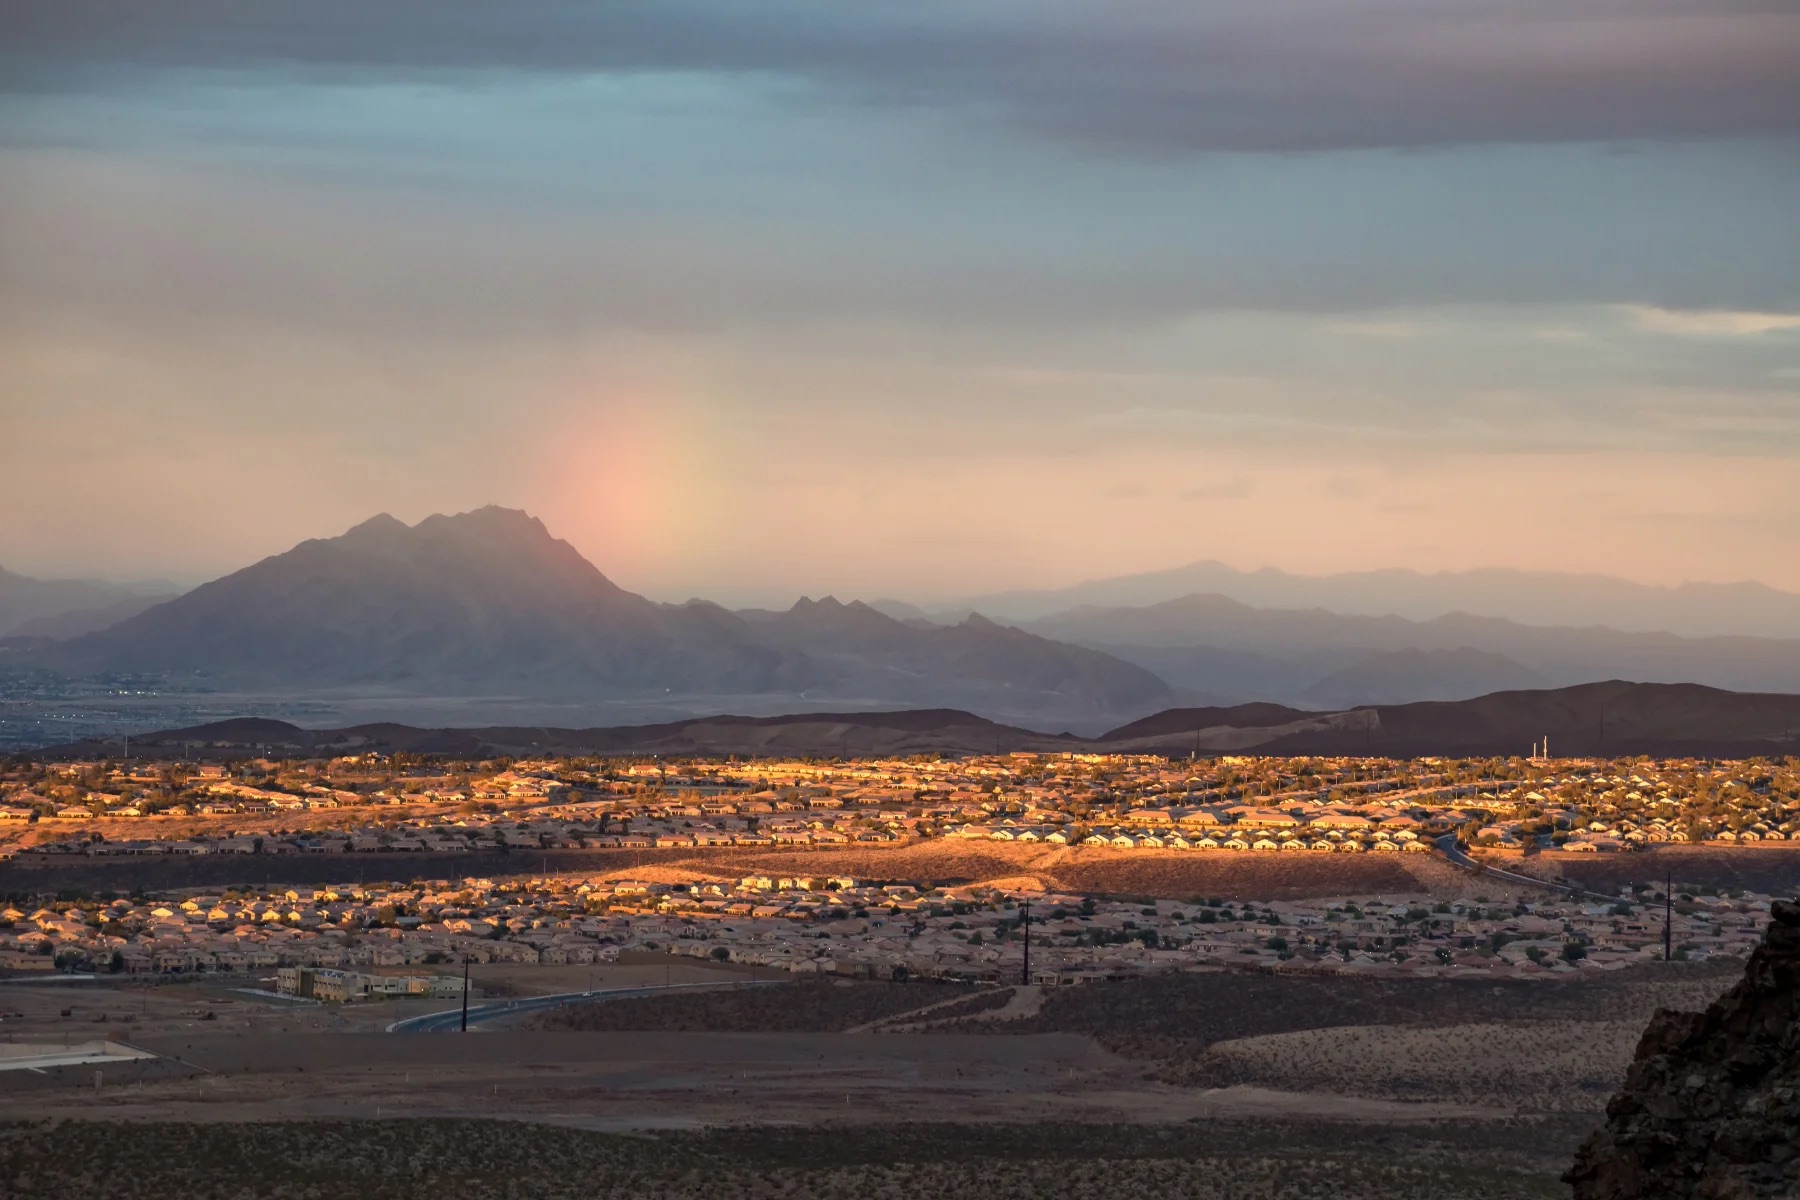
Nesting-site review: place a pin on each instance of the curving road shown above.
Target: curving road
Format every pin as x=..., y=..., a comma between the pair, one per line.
x=1450, y=850
x=450, y=1020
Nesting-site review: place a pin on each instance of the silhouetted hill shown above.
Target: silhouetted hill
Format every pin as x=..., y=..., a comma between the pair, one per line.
x=1611, y=718
x=1615, y=717
x=1186, y=720
x=903, y=732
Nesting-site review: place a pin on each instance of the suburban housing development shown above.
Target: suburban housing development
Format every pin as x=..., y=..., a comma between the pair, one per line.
x=529, y=815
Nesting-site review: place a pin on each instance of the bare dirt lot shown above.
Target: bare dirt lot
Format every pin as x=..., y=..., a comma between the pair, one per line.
x=1207, y=1007
x=1539, y=1065
x=625, y=1080
x=1768, y=869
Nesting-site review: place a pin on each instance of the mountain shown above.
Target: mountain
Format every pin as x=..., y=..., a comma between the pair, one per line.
x=900, y=610
x=914, y=731
x=489, y=604
x=989, y=665
x=1529, y=597
x=1396, y=676
x=67, y=607
x=1181, y=721
x=1227, y=649
x=1614, y=717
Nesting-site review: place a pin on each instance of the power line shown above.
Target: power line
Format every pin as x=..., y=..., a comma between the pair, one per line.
x=1025, y=920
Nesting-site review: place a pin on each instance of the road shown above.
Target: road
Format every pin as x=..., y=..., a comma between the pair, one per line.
x=1449, y=849
x=450, y=1020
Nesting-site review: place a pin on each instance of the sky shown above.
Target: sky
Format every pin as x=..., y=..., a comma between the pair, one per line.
x=749, y=300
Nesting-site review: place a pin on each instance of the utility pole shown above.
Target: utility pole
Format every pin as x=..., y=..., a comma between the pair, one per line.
x=465, y=1004
x=1669, y=918
x=1025, y=920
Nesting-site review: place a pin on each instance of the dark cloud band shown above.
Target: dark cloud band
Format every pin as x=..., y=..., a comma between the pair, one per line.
x=1144, y=75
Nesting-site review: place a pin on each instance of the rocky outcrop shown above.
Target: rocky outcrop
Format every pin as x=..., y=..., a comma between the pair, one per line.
x=1711, y=1106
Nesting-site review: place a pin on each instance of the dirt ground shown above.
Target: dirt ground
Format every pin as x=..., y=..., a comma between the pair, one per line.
x=1540, y=1066
x=132, y=1009
x=1182, y=1047
x=1252, y=1157
x=1216, y=1085
x=621, y=1081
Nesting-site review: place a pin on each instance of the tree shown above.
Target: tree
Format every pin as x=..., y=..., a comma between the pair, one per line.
x=721, y=954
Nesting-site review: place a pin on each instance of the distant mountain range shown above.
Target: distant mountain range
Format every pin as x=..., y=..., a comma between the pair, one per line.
x=489, y=607
x=488, y=603
x=1528, y=597
x=66, y=607
x=1599, y=718
x=1228, y=651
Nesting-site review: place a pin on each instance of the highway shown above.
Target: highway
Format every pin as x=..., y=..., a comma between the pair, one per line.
x=450, y=1020
x=1450, y=850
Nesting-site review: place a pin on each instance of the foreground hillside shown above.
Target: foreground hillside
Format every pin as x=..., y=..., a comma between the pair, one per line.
x=1251, y=1160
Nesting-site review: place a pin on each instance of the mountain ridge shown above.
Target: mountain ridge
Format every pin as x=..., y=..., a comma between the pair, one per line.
x=1229, y=649
x=1615, y=717
x=1694, y=609
x=31, y=607
x=489, y=602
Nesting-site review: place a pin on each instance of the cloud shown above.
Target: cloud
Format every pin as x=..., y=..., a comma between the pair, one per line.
x=1711, y=323
x=1285, y=75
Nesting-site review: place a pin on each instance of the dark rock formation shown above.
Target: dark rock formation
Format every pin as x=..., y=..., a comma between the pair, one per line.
x=1711, y=1106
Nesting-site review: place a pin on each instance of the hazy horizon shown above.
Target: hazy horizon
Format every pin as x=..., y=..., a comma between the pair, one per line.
x=753, y=596
x=922, y=304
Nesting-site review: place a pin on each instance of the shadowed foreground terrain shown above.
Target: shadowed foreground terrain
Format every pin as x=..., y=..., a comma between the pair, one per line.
x=432, y=1159
x=1711, y=1106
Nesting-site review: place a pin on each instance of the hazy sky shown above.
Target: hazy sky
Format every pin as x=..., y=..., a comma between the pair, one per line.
x=750, y=299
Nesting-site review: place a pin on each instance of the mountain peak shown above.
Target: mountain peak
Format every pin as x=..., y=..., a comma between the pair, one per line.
x=490, y=520
x=379, y=525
